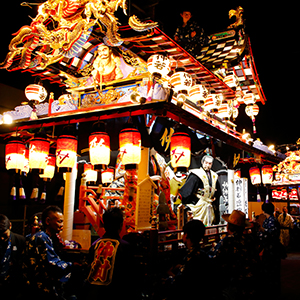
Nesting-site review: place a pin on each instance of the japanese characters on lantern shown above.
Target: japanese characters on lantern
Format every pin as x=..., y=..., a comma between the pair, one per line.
x=99, y=148
x=180, y=150
x=15, y=155
x=66, y=152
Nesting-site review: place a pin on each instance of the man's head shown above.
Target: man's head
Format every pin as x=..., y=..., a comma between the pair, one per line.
x=53, y=219
x=104, y=51
x=113, y=220
x=193, y=232
x=284, y=209
x=186, y=15
x=207, y=162
x=268, y=208
x=5, y=227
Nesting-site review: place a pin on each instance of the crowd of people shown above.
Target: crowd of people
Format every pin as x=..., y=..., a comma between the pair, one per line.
x=248, y=257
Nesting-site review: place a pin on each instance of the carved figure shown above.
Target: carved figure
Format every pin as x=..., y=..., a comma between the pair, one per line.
x=238, y=13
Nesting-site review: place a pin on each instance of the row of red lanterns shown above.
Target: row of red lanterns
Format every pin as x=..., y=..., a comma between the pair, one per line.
x=283, y=194
x=37, y=156
x=265, y=175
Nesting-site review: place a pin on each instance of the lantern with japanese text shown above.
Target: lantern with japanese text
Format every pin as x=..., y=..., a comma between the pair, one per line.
x=198, y=93
x=231, y=80
x=267, y=178
x=252, y=111
x=35, y=93
x=267, y=174
x=181, y=82
x=66, y=152
x=38, y=154
x=213, y=102
x=130, y=146
x=255, y=175
x=224, y=111
x=107, y=176
x=180, y=150
x=293, y=194
x=99, y=149
x=255, y=179
x=49, y=171
x=249, y=98
x=90, y=174
x=15, y=155
x=158, y=65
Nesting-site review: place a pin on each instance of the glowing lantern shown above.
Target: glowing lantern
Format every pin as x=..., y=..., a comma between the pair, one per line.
x=66, y=152
x=180, y=150
x=50, y=168
x=252, y=111
x=255, y=175
x=249, y=98
x=224, y=111
x=38, y=153
x=284, y=194
x=99, y=145
x=107, y=176
x=36, y=93
x=198, y=93
x=90, y=174
x=276, y=194
x=267, y=174
x=293, y=195
x=130, y=146
x=158, y=65
x=231, y=80
x=15, y=155
x=212, y=102
x=181, y=82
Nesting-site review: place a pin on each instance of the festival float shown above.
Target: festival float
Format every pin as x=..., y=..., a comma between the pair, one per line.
x=130, y=88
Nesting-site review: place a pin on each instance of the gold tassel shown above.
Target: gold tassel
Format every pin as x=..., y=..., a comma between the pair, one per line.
x=34, y=194
x=13, y=193
x=43, y=197
x=61, y=191
x=22, y=193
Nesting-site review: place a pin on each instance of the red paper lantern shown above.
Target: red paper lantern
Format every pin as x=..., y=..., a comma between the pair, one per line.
x=66, y=152
x=38, y=153
x=90, y=174
x=15, y=155
x=255, y=175
x=107, y=176
x=267, y=174
x=49, y=171
x=99, y=148
x=130, y=146
x=180, y=150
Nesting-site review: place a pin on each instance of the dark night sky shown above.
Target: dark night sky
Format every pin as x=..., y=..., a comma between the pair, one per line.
x=273, y=31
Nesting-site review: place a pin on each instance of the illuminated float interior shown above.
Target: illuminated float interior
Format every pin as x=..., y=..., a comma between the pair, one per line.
x=128, y=88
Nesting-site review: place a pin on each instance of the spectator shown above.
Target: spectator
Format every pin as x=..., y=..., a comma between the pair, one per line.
x=111, y=258
x=46, y=272
x=12, y=247
x=236, y=260
x=189, y=34
x=195, y=271
x=270, y=251
x=286, y=222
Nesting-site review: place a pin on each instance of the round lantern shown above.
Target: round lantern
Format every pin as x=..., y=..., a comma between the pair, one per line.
x=35, y=92
x=130, y=146
x=159, y=65
x=38, y=154
x=267, y=174
x=99, y=149
x=15, y=155
x=66, y=152
x=197, y=93
x=213, y=102
x=107, y=176
x=231, y=80
x=224, y=111
x=49, y=171
x=180, y=150
x=90, y=174
x=252, y=111
x=249, y=98
x=181, y=82
x=255, y=175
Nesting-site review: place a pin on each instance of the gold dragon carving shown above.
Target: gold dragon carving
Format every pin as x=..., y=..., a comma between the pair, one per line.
x=61, y=27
